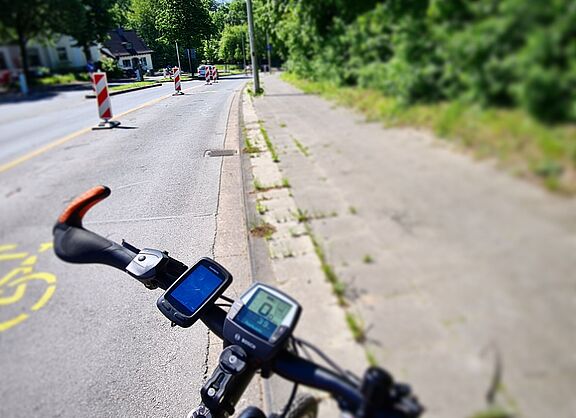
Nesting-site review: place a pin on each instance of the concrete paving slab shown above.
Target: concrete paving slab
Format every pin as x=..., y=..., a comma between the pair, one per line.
x=464, y=261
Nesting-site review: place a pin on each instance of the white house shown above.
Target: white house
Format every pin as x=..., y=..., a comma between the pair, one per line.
x=60, y=55
x=129, y=49
x=124, y=45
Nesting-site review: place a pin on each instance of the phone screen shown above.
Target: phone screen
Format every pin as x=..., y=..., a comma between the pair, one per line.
x=198, y=286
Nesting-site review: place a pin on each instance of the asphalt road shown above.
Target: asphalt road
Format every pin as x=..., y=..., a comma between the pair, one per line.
x=98, y=346
x=25, y=125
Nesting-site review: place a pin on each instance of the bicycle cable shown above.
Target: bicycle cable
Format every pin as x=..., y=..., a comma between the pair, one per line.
x=346, y=375
x=290, y=400
x=227, y=299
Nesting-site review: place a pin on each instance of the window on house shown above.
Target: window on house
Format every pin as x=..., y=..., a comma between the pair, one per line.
x=3, y=65
x=126, y=64
x=143, y=62
x=62, y=54
x=34, y=57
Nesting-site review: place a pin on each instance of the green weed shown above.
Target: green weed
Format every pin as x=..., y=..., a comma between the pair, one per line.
x=269, y=144
x=301, y=148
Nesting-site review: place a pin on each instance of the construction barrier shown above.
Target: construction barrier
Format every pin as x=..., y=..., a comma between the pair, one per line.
x=103, y=100
x=215, y=74
x=208, y=75
x=177, y=84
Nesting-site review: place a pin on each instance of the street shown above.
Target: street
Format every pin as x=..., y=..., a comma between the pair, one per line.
x=97, y=345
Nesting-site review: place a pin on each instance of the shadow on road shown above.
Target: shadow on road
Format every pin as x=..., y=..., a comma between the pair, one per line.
x=41, y=93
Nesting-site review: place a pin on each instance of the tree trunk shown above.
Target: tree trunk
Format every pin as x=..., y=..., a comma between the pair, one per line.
x=86, y=50
x=22, y=41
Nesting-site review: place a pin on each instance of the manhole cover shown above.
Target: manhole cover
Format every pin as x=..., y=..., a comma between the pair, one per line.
x=220, y=152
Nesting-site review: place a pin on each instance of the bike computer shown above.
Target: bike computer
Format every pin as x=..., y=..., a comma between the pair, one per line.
x=261, y=321
x=196, y=289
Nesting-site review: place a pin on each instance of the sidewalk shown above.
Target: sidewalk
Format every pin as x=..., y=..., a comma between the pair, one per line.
x=461, y=277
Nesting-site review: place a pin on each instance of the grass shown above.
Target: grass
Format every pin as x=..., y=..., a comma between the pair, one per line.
x=356, y=326
x=251, y=92
x=371, y=358
x=122, y=87
x=259, y=187
x=269, y=144
x=171, y=80
x=338, y=287
x=542, y=153
x=250, y=148
x=260, y=208
x=352, y=210
x=368, y=259
x=60, y=79
x=493, y=412
x=304, y=150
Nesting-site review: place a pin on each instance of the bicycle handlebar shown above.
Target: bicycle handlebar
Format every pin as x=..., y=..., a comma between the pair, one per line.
x=75, y=244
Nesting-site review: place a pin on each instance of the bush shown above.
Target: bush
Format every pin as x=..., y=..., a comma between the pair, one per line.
x=111, y=68
x=504, y=53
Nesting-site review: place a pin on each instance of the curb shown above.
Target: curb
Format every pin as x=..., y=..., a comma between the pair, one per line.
x=114, y=93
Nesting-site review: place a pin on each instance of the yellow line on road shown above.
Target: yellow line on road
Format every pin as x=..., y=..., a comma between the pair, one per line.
x=58, y=142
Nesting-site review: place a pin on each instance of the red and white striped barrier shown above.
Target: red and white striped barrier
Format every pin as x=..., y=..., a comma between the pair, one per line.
x=177, y=83
x=215, y=74
x=103, y=100
x=208, y=75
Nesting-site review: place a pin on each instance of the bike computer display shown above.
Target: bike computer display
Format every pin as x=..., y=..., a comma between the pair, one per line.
x=196, y=289
x=261, y=321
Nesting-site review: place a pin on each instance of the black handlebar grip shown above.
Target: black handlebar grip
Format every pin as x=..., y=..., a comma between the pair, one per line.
x=74, y=244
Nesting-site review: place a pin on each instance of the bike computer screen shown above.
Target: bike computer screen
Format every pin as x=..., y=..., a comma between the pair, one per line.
x=197, y=288
x=262, y=320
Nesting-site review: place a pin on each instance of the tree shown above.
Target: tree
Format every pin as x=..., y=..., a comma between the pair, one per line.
x=23, y=20
x=184, y=21
x=230, y=48
x=92, y=25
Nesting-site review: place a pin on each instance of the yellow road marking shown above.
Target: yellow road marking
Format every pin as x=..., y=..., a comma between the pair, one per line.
x=45, y=297
x=46, y=246
x=13, y=322
x=18, y=294
x=47, y=147
x=13, y=256
x=30, y=261
x=8, y=247
x=14, y=272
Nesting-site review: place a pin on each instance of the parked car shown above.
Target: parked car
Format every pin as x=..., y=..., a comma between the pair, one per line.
x=202, y=71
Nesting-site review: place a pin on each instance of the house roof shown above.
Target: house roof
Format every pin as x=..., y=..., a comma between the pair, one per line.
x=124, y=43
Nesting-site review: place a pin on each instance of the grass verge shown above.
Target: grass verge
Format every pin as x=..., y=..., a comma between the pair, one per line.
x=128, y=86
x=519, y=143
x=59, y=79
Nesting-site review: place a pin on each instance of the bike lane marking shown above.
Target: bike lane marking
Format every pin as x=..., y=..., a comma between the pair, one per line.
x=14, y=284
x=39, y=151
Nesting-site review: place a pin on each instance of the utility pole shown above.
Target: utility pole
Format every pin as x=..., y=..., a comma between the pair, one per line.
x=178, y=55
x=268, y=50
x=253, y=46
x=190, y=62
x=243, y=53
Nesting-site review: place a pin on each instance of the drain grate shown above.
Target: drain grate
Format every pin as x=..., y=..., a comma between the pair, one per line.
x=219, y=152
